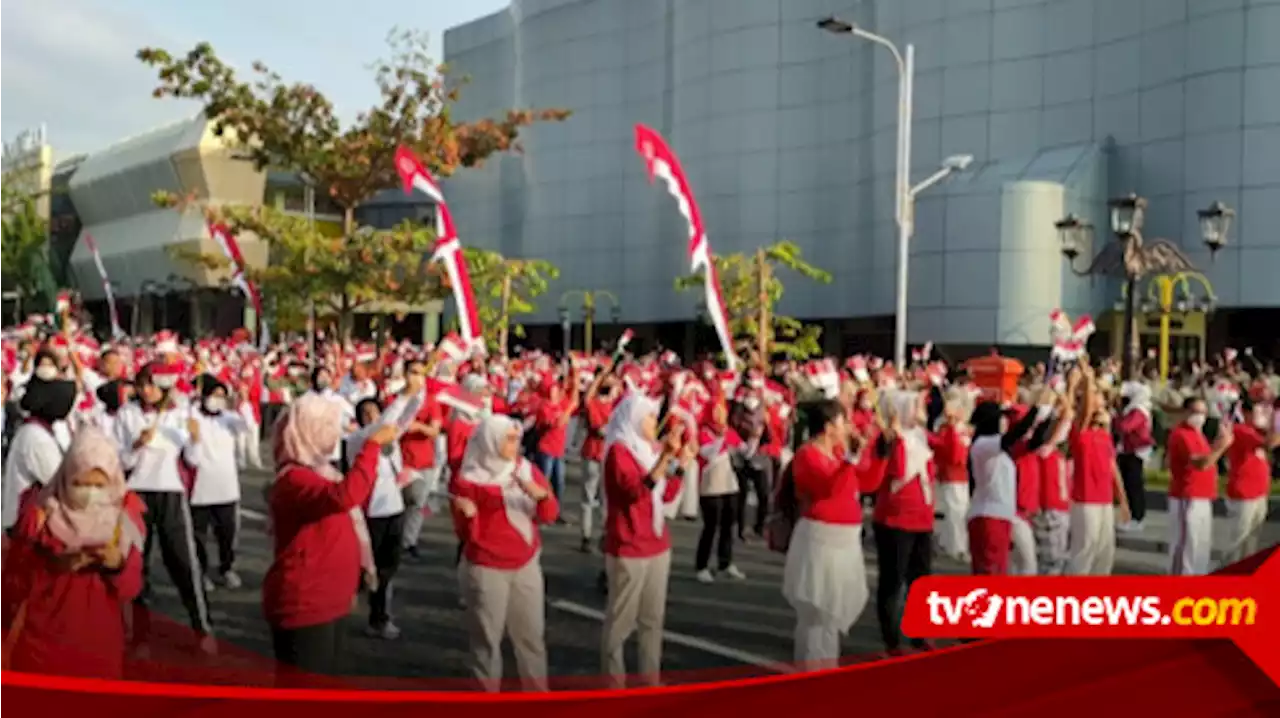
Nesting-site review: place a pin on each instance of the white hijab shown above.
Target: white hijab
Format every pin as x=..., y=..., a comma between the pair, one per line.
x=483, y=464
x=905, y=406
x=624, y=428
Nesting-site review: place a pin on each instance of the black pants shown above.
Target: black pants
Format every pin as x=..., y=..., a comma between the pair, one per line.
x=902, y=557
x=225, y=521
x=754, y=476
x=385, y=536
x=1135, y=484
x=168, y=521
x=310, y=649
x=718, y=516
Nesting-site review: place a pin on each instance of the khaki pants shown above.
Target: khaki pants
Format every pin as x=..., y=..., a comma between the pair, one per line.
x=1093, y=540
x=511, y=603
x=1245, y=518
x=637, y=603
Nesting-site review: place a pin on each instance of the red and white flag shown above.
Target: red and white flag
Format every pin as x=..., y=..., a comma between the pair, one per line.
x=448, y=248
x=116, y=331
x=661, y=162
x=231, y=248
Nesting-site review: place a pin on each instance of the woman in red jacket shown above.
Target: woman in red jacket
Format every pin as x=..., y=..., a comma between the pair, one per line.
x=640, y=478
x=825, y=579
x=904, y=509
x=74, y=563
x=499, y=499
x=322, y=547
x=951, y=449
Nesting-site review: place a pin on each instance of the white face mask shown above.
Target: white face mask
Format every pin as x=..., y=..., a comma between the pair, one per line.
x=1196, y=421
x=83, y=497
x=1261, y=420
x=46, y=372
x=215, y=404
x=752, y=403
x=865, y=405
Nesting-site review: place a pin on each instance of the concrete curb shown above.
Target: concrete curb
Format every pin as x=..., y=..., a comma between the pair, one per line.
x=1158, y=500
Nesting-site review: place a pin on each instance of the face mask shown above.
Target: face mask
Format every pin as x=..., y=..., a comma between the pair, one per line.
x=1196, y=421
x=83, y=497
x=215, y=404
x=865, y=405
x=165, y=381
x=1260, y=420
x=751, y=403
x=46, y=372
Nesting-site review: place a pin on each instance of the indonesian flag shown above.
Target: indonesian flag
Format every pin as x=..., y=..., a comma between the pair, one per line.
x=116, y=331
x=661, y=162
x=227, y=243
x=448, y=249
x=454, y=396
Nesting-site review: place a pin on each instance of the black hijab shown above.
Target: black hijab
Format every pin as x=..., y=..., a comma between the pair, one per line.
x=111, y=394
x=48, y=401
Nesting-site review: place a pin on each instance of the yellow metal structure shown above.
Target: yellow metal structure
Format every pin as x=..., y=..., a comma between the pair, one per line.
x=590, y=299
x=1161, y=291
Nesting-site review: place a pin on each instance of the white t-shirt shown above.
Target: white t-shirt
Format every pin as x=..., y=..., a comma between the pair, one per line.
x=34, y=457
x=217, y=475
x=387, y=499
x=995, y=479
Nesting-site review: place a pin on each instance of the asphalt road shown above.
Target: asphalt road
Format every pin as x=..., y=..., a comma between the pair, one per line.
x=726, y=628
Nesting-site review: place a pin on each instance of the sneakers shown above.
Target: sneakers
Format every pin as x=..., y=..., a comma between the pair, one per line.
x=705, y=576
x=387, y=631
x=209, y=585
x=734, y=573
x=231, y=580
x=412, y=553
x=588, y=546
x=1130, y=527
x=209, y=645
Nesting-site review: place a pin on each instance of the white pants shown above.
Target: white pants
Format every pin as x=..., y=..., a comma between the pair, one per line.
x=249, y=445
x=637, y=604
x=817, y=644
x=1190, y=536
x=952, y=531
x=1022, y=560
x=592, y=496
x=1245, y=518
x=1093, y=540
x=685, y=503
x=421, y=492
x=510, y=603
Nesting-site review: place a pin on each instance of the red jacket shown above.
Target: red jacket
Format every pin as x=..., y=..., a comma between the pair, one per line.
x=597, y=412
x=628, y=521
x=1135, y=432
x=316, y=570
x=73, y=623
x=951, y=454
x=1030, y=484
x=457, y=432
x=1055, y=482
x=909, y=506
x=829, y=489
x=488, y=538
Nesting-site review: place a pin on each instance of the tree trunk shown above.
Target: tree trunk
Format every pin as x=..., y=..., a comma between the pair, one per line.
x=504, y=329
x=762, y=270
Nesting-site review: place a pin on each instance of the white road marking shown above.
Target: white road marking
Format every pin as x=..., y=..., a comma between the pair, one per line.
x=253, y=515
x=681, y=639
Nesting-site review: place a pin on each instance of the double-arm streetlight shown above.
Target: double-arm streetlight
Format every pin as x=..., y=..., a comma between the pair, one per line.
x=904, y=193
x=1174, y=295
x=591, y=299
x=1132, y=257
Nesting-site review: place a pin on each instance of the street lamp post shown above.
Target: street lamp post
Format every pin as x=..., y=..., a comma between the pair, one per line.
x=904, y=192
x=1132, y=258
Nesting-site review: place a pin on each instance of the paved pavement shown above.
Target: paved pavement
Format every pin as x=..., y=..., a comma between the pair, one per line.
x=709, y=627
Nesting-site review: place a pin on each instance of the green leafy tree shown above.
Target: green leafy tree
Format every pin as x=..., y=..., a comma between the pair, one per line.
x=741, y=276
x=294, y=127
x=505, y=288
x=25, y=243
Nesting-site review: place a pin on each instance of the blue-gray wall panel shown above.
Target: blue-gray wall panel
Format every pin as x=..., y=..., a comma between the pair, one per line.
x=789, y=132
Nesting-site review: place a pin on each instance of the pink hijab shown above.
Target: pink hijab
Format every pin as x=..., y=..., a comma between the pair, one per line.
x=91, y=526
x=305, y=435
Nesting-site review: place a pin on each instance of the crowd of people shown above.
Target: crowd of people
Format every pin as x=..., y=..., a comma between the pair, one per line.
x=112, y=450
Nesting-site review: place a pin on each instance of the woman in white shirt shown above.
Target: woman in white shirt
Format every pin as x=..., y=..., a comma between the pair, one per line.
x=215, y=494
x=37, y=447
x=159, y=450
x=384, y=514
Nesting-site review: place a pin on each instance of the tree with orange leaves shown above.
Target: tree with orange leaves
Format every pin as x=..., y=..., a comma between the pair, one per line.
x=294, y=127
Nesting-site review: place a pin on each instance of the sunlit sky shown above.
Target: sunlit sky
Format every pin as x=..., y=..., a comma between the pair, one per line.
x=70, y=65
